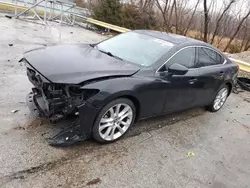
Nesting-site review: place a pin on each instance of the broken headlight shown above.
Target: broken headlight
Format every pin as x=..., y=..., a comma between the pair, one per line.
x=77, y=91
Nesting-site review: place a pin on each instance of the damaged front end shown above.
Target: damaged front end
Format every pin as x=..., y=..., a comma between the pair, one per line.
x=63, y=77
x=57, y=101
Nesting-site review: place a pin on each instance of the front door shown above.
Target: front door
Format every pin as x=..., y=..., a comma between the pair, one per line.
x=181, y=91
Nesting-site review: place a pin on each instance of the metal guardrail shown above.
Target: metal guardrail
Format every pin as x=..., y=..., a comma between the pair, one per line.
x=44, y=10
x=11, y=6
x=103, y=24
x=244, y=66
x=86, y=19
x=106, y=25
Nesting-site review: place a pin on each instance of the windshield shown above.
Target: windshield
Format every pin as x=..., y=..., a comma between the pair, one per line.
x=136, y=48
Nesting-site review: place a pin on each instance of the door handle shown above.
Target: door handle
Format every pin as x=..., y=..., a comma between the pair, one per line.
x=192, y=80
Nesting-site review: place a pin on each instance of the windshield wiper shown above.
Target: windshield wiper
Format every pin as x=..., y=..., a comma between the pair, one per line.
x=109, y=53
x=112, y=55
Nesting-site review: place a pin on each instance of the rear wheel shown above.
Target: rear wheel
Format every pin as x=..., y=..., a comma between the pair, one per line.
x=114, y=120
x=219, y=99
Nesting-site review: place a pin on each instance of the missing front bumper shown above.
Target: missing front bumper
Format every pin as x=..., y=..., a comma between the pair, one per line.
x=77, y=131
x=68, y=136
x=35, y=109
x=40, y=107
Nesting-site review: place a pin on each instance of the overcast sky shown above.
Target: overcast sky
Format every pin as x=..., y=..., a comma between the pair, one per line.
x=240, y=6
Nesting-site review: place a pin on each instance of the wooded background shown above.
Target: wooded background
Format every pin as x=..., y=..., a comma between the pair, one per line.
x=223, y=23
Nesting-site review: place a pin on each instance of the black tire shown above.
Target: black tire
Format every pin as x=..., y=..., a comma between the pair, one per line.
x=95, y=133
x=244, y=83
x=211, y=107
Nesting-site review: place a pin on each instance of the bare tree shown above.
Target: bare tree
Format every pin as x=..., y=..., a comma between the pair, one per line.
x=191, y=18
x=237, y=30
x=205, y=34
x=185, y=18
x=173, y=9
x=163, y=7
x=224, y=30
x=181, y=16
x=245, y=43
x=218, y=23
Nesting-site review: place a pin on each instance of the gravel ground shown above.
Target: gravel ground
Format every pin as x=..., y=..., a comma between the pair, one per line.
x=153, y=154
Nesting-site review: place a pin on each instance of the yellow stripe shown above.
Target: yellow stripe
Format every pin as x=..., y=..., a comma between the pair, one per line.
x=107, y=25
x=243, y=65
x=11, y=7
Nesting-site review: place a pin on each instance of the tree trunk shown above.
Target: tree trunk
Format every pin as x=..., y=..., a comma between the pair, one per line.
x=205, y=21
x=163, y=12
x=220, y=18
x=237, y=30
x=191, y=19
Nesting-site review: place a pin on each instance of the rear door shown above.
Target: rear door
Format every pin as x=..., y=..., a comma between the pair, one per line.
x=211, y=71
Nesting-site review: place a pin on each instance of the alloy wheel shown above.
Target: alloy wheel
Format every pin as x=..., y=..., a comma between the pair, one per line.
x=220, y=98
x=115, y=121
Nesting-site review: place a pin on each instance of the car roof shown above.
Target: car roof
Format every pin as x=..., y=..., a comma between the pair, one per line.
x=173, y=38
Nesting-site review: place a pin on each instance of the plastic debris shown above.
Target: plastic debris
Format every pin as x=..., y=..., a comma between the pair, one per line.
x=14, y=111
x=190, y=154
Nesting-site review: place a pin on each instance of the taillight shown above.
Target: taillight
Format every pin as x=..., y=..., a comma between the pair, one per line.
x=238, y=68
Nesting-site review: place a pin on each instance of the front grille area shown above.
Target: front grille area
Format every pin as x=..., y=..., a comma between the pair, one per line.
x=50, y=99
x=50, y=104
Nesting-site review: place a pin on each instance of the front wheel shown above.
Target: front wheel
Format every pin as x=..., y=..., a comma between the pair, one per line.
x=114, y=120
x=219, y=99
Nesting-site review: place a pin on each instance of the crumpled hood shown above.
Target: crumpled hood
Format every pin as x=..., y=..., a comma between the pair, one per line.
x=73, y=64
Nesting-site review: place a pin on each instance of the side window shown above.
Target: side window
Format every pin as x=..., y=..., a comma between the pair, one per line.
x=185, y=57
x=220, y=59
x=207, y=57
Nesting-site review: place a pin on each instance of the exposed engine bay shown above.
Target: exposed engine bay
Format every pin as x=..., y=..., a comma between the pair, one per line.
x=56, y=100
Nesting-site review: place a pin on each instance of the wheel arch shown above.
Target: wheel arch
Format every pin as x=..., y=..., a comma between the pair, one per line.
x=136, y=102
x=103, y=98
x=129, y=95
x=230, y=87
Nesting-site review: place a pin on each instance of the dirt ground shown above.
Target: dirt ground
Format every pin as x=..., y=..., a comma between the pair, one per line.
x=153, y=154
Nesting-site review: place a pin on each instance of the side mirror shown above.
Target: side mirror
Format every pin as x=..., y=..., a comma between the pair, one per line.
x=177, y=69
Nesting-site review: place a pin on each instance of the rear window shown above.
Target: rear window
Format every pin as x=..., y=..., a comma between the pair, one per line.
x=208, y=57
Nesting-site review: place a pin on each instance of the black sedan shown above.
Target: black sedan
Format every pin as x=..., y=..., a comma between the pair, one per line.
x=136, y=75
